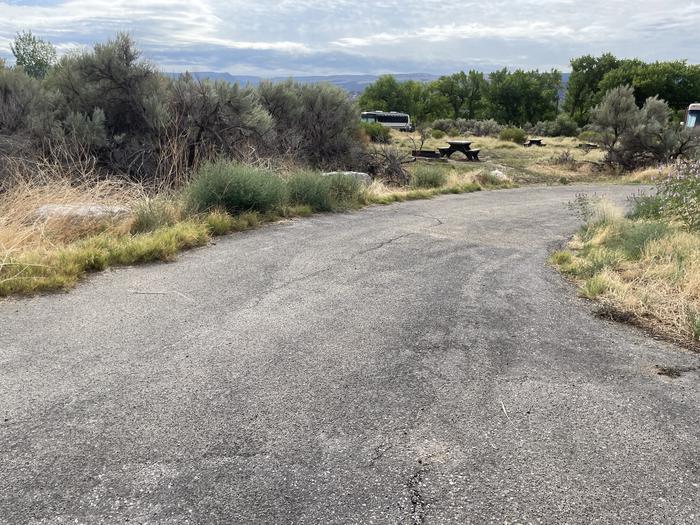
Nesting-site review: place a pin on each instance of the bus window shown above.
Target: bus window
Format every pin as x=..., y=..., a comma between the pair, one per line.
x=693, y=118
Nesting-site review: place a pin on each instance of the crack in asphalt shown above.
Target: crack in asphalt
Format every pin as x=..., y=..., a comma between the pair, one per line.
x=417, y=499
x=260, y=299
x=381, y=244
x=439, y=221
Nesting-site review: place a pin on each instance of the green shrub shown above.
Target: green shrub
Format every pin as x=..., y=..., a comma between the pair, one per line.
x=426, y=176
x=376, y=132
x=346, y=191
x=680, y=193
x=234, y=188
x=443, y=124
x=151, y=214
x=516, y=135
x=646, y=207
x=438, y=134
x=589, y=136
x=312, y=189
x=562, y=126
x=219, y=222
x=324, y=192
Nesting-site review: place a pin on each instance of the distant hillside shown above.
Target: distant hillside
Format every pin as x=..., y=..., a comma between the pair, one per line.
x=350, y=83
x=354, y=84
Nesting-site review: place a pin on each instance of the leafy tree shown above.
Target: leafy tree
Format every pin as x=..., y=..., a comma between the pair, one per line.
x=677, y=82
x=521, y=96
x=420, y=100
x=385, y=94
x=33, y=54
x=463, y=92
x=582, y=90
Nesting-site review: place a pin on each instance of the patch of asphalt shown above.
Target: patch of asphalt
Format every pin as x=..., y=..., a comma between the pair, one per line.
x=404, y=364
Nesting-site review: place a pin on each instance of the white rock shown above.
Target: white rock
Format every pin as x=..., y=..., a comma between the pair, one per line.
x=362, y=177
x=498, y=174
x=81, y=212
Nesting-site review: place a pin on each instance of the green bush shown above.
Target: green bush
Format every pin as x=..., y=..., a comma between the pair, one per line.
x=346, y=191
x=443, y=124
x=562, y=126
x=516, y=135
x=312, y=189
x=324, y=192
x=151, y=214
x=234, y=188
x=438, y=134
x=376, y=132
x=425, y=176
x=646, y=207
x=590, y=136
x=680, y=193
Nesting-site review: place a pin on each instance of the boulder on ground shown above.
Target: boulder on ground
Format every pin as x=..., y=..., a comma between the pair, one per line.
x=360, y=176
x=499, y=175
x=82, y=212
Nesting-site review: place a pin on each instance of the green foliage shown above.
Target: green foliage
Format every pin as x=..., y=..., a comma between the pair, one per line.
x=582, y=90
x=346, y=191
x=438, y=134
x=523, y=96
x=418, y=99
x=428, y=176
x=590, y=136
x=152, y=214
x=648, y=207
x=34, y=55
x=316, y=122
x=376, y=132
x=679, y=194
x=311, y=189
x=234, y=188
x=562, y=126
x=464, y=92
x=18, y=99
x=676, y=82
x=635, y=137
x=594, y=286
x=515, y=135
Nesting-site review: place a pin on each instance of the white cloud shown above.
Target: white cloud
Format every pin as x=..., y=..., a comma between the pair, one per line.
x=385, y=35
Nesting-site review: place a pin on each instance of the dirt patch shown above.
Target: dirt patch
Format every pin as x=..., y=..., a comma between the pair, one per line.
x=674, y=372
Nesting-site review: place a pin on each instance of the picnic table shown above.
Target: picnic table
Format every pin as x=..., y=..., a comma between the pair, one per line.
x=462, y=146
x=534, y=142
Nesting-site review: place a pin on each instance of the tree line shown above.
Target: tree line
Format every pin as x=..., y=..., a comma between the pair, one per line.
x=522, y=97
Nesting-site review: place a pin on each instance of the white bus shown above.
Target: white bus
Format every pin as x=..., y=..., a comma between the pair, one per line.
x=388, y=119
x=692, y=116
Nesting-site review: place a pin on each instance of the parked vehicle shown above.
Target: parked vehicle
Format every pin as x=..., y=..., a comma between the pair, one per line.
x=389, y=119
x=692, y=116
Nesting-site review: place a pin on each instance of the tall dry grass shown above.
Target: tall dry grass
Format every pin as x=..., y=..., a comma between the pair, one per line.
x=29, y=185
x=644, y=271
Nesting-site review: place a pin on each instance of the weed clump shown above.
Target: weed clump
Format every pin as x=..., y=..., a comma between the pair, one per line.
x=424, y=176
x=235, y=188
x=515, y=135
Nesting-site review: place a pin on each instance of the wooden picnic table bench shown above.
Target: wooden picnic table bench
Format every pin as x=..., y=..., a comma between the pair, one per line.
x=534, y=142
x=461, y=146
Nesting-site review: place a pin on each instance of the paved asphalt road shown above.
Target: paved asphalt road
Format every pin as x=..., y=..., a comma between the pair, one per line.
x=414, y=363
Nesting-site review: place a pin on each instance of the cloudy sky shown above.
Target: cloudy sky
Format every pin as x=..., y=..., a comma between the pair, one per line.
x=309, y=37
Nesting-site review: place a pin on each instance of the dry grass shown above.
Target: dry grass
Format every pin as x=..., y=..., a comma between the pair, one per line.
x=21, y=229
x=645, y=272
x=528, y=165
